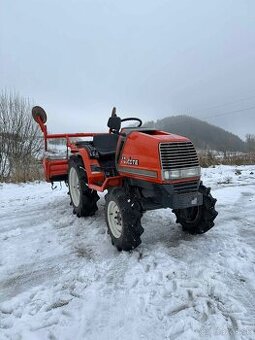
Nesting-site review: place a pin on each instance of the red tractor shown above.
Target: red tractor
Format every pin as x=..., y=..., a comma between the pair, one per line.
x=141, y=169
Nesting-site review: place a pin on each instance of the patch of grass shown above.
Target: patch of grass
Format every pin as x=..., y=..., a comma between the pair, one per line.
x=209, y=158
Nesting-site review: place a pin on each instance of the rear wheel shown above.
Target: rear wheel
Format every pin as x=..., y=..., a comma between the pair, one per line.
x=123, y=217
x=200, y=219
x=83, y=199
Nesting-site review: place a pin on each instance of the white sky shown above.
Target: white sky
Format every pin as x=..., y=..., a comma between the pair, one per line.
x=151, y=59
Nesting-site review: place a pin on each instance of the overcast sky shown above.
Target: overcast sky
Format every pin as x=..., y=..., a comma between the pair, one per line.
x=148, y=58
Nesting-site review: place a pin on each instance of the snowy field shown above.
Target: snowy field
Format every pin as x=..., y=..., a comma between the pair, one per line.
x=60, y=277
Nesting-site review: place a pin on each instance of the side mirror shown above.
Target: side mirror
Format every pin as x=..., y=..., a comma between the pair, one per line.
x=38, y=112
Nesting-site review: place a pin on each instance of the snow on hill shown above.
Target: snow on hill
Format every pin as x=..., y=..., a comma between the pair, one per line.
x=60, y=277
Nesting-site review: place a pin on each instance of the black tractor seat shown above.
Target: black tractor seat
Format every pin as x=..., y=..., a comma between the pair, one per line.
x=106, y=144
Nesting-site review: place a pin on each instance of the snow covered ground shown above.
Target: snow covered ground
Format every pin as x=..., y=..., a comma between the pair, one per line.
x=60, y=277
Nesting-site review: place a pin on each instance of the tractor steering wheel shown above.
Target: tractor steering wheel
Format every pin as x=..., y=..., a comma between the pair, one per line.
x=133, y=118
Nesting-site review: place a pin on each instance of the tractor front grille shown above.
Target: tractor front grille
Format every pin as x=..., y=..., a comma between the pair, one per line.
x=181, y=188
x=178, y=155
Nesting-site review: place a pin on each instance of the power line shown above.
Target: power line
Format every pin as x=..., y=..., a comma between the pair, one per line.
x=229, y=112
x=225, y=104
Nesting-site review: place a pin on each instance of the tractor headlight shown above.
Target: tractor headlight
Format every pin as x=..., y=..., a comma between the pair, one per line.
x=173, y=174
x=191, y=172
x=181, y=173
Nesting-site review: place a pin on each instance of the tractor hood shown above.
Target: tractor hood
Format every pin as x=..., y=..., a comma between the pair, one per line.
x=147, y=153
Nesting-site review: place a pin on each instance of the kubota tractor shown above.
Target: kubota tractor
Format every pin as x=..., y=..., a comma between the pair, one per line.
x=141, y=169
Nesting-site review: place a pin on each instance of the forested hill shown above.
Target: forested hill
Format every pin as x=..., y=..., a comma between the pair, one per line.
x=202, y=134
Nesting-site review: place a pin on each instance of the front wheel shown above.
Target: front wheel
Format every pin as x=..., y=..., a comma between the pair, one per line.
x=199, y=219
x=123, y=217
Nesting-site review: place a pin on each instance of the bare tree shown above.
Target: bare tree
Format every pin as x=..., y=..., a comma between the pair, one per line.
x=250, y=141
x=20, y=141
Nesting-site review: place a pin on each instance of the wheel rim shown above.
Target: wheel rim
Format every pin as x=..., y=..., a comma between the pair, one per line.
x=191, y=215
x=114, y=219
x=74, y=186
